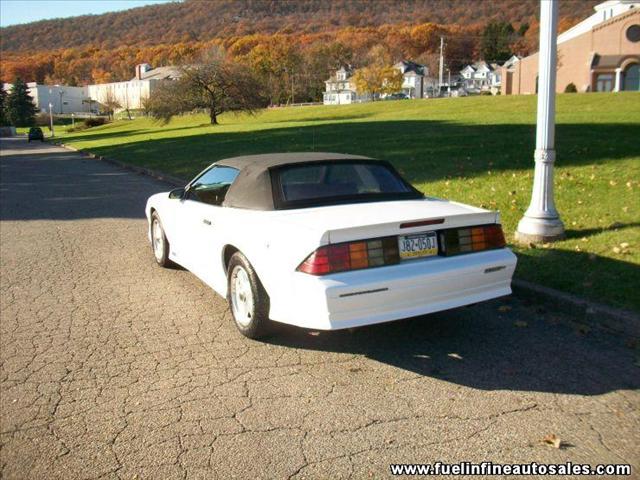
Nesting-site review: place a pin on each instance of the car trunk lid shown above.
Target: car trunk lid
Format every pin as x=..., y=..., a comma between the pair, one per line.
x=342, y=223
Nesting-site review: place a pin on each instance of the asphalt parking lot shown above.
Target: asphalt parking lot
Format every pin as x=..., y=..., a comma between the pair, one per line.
x=111, y=367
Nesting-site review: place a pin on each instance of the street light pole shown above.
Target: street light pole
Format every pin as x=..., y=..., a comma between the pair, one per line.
x=541, y=221
x=51, y=118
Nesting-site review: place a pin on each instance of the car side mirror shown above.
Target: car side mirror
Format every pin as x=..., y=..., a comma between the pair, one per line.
x=177, y=193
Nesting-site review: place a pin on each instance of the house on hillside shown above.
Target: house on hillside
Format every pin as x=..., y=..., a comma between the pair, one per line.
x=599, y=54
x=340, y=90
x=131, y=94
x=479, y=77
x=415, y=78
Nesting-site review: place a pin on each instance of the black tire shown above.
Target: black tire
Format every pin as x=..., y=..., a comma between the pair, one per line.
x=163, y=258
x=257, y=323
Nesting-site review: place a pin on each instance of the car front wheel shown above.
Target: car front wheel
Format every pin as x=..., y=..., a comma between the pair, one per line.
x=247, y=298
x=159, y=242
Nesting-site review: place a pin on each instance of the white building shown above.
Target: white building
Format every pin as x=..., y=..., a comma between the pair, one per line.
x=478, y=77
x=416, y=81
x=131, y=94
x=63, y=98
x=340, y=90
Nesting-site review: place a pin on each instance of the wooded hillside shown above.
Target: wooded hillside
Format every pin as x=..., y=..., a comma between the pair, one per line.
x=198, y=20
x=291, y=45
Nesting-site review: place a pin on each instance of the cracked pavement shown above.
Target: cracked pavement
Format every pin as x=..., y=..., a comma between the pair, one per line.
x=111, y=367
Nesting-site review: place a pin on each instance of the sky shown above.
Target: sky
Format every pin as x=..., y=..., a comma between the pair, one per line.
x=13, y=12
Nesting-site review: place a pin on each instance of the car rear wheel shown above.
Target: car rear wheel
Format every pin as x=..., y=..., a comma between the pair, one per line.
x=159, y=242
x=247, y=298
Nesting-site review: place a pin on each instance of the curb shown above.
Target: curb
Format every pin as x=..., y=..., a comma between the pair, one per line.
x=163, y=177
x=596, y=315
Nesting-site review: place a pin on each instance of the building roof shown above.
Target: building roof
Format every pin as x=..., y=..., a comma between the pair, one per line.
x=252, y=188
x=161, y=73
x=407, y=66
x=604, y=12
x=609, y=61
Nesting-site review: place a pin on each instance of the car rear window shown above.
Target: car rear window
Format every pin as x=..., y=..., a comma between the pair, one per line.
x=339, y=182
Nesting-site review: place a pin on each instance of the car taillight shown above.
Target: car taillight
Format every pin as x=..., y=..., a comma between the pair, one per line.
x=341, y=257
x=471, y=239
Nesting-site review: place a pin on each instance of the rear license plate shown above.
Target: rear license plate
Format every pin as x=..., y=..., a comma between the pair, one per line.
x=418, y=245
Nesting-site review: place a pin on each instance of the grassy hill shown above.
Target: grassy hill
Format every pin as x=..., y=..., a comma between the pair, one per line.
x=473, y=150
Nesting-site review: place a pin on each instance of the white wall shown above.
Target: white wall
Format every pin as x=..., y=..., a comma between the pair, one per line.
x=128, y=94
x=71, y=98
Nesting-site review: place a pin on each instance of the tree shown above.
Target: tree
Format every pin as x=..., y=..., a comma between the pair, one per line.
x=3, y=104
x=111, y=103
x=496, y=38
x=216, y=85
x=20, y=110
x=376, y=79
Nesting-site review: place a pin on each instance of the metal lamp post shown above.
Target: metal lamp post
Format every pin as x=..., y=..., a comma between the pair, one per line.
x=541, y=221
x=51, y=118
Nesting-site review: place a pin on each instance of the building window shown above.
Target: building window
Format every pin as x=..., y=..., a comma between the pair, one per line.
x=631, y=80
x=633, y=33
x=604, y=82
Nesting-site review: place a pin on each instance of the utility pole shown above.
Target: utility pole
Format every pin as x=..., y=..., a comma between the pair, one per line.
x=441, y=64
x=449, y=83
x=61, y=93
x=541, y=221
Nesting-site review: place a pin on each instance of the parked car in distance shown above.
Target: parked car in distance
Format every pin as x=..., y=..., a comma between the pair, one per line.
x=397, y=96
x=35, y=133
x=327, y=241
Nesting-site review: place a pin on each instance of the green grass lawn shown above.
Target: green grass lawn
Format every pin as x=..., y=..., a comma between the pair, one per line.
x=475, y=150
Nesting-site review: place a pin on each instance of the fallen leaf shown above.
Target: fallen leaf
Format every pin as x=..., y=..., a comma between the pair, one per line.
x=624, y=245
x=504, y=308
x=454, y=355
x=613, y=183
x=616, y=249
x=552, y=440
x=520, y=323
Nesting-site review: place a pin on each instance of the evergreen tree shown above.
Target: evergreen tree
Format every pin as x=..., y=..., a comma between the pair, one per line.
x=20, y=110
x=496, y=38
x=3, y=105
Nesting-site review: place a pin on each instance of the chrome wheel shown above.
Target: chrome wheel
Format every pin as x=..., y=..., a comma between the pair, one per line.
x=157, y=238
x=241, y=296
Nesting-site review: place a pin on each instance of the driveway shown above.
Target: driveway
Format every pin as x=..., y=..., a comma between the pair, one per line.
x=111, y=367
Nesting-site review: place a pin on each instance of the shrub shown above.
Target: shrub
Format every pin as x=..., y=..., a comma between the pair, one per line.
x=94, y=122
x=485, y=92
x=42, y=119
x=571, y=88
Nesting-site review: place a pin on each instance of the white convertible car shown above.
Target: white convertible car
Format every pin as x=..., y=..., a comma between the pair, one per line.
x=327, y=241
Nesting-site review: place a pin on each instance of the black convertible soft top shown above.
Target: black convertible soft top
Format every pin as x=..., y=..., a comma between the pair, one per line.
x=253, y=188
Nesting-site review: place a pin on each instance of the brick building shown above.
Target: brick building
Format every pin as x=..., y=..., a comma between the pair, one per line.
x=600, y=54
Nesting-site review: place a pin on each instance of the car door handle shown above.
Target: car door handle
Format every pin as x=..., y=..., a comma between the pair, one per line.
x=206, y=221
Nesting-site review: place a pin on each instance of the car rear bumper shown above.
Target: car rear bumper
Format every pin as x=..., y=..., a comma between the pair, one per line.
x=412, y=288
